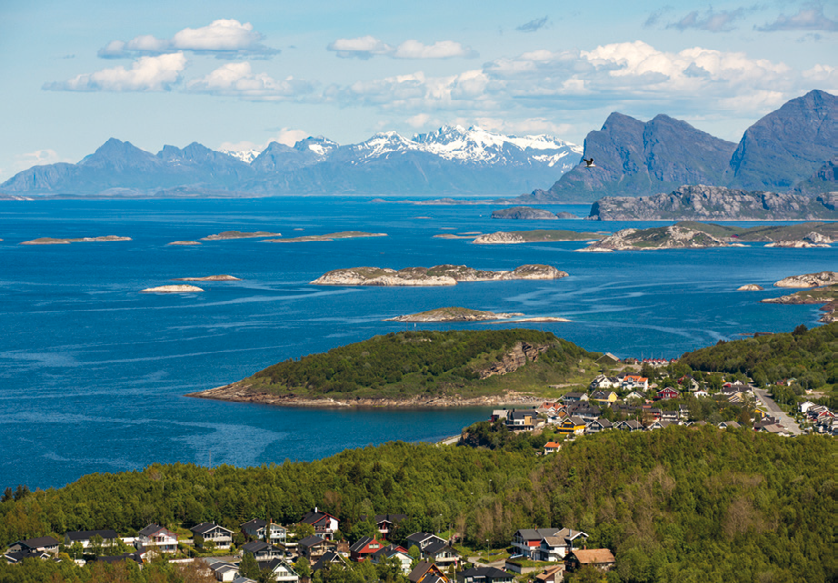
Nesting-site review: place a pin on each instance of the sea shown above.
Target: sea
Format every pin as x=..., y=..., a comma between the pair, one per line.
x=93, y=372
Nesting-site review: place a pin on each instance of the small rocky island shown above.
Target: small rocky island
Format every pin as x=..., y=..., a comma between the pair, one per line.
x=439, y=275
x=524, y=213
x=671, y=237
x=54, y=241
x=750, y=287
x=226, y=235
x=184, y=243
x=809, y=280
x=328, y=237
x=172, y=289
x=209, y=278
x=454, y=315
x=537, y=236
x=716, y=203
x=826, y=295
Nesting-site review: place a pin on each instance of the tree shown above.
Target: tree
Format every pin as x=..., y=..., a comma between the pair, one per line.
x=96, y=545
x=303, y=567
x=303, y=530
x=249, y=567
x=76, y=550
x=7, y=495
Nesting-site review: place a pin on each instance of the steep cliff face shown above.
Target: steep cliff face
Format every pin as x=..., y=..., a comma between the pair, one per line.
x=694, y=203
x=520, y=354
x=787, y=145
x=635, y=158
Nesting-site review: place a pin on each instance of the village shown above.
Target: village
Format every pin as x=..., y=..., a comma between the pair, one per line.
x=287, y=555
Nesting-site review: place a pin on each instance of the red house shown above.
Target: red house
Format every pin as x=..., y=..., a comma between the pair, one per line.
x=668, y=393
x=363, y=548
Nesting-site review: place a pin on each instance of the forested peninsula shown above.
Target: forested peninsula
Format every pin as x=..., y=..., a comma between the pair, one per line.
x=425, y=368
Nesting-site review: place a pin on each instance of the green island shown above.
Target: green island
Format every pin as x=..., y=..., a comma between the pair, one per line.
x=327, y=237
x=423, y=368
x=826, y=295
x=694, y=235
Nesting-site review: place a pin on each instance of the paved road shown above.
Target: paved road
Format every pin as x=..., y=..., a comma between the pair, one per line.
x=785, y=420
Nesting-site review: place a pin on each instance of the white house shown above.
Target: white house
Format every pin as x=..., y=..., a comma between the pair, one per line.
x=257, y=527
x=156, y=537
x=211, y=532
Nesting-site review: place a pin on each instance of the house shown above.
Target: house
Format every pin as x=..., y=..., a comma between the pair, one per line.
x=668, y=393
x=223, y=571
x=598, y=425
x=630, y=425
x=555, y=548
x=575, y=397
x=313, y=547
x=13, y=557
x=688, y=382
x=572, y=426
x=386, y=523
x=256, y=529
x=427, y=572
x=729, y=425
x=261, y=551
x=499, y=415
x=391, y=552
x=526, y=541
x=805, y=406
x=44, y=544
x=608, y=358
x=659, y=424
x=109, y=537
x=604, y=396
x=551, y=575
x=485, y=575
x=328, y=558
x=586, y=411
x=552, y=447
x=324, y=523
x=211, y=532
x=604, y=382
x=522, y=420
x=683, y=412
x=280, y=571
x=671, y=416
x=156, y=537
x=363, y=548
x=602, y=559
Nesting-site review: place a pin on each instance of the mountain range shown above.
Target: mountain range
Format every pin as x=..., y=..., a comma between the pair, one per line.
x=452, y=160
x=792, y=149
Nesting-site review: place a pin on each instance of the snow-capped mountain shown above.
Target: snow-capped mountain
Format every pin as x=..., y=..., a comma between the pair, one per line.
x=451, y=160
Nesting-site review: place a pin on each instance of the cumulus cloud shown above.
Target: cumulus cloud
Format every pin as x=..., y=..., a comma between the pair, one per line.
x=238, y=80
x=37, y=158
x=366, y=47
x=711, y=20
x=810, y=17
x=225, y=39
x=158, y=73
x=533, y=25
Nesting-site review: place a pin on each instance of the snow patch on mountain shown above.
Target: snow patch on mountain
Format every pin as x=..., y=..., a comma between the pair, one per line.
x=246, y=156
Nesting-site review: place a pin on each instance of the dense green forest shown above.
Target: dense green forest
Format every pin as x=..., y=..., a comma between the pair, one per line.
x=681, y=504
x=401, y=365
x=810, y=356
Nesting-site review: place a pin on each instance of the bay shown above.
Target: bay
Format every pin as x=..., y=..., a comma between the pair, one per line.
x=93, y=372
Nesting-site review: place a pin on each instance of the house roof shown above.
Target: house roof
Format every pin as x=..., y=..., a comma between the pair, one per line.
x=255, y=523
x=18, y=556
x=420, y=570
x=311, y=541
x=389, y=551
x=523, y=414
x=271, y=565
x=437, y=546
x=135, y=556
x=485, y=572
x=548, y=573
x=419, y=537
x=594, y=556
x=256, y=546
x=553, y=541
x=79, y=535
x=327, y=558
x=206, y=527
x=315, y=517
x=391, y=518
x=569, y=533
x=154, y=528
x=529, y=534
x=40, y=542
x=552, y=444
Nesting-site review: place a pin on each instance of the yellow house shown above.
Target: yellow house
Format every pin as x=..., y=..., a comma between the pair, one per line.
x=572, y=426
x=604, y=396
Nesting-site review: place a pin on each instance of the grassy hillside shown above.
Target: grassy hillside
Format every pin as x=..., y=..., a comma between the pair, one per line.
x=765, y=232
x=443, y=363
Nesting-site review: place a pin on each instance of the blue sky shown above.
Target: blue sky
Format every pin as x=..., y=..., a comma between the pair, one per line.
x=238, y=76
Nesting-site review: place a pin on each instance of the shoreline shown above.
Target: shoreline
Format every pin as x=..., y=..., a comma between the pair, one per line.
x=233, y=394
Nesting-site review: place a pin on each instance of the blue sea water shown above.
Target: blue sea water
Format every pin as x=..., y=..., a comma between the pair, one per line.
x=93, y=372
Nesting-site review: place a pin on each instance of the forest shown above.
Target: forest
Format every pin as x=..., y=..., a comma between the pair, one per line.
x=401, y=365
x=685, y=504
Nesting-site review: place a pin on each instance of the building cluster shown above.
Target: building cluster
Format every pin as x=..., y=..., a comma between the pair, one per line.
x=820, y=416
x=435, y=559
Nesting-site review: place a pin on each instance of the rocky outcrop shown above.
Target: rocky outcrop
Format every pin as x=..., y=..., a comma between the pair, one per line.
x=750, y=287
x=454, y=315
x=239, y=235
x=701, y=202
x=567, y=215
x=672, y=237
x=809, y=280
x=185, y=243
x=826, y=295
x=172, y=289
x=520, y=354
x=327, y=237
x=209, y=278
x=538, y=236
x=802, y=244
x=524, y=213
x=440, y=275
x=52, y=241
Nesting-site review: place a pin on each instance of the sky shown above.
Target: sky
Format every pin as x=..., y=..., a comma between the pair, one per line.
x=239, y=75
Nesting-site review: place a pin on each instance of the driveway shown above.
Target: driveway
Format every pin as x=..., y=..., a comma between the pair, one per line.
x=773, y=408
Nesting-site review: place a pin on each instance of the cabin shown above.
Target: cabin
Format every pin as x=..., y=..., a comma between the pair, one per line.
x=109, y=537
x=552, y=447
x=363, y=548
x=44, y=544
x=601, y=559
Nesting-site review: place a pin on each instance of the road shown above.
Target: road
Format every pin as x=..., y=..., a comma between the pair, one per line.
x=773, y=408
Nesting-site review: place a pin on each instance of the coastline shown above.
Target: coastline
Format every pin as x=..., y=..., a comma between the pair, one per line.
x=232, y=393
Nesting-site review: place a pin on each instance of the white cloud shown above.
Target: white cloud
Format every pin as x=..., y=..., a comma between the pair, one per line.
x=223, y=38
x=158, y=73
x=37, y=158
x=419, y=120
x=286, y=136
x=711, y=20
x=366, y=47
x=237, y=79
x=533, y=25
x=809, y=17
